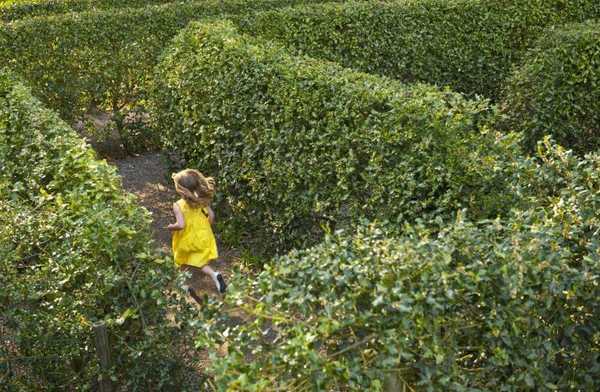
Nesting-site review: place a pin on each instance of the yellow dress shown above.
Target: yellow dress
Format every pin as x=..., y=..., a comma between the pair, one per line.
x=195, y=244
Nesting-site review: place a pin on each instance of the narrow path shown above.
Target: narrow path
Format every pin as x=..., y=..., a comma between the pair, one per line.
x=147, y=176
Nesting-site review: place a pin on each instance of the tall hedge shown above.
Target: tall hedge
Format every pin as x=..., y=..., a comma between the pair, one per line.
x=11, y=10
x=103, y=58
x=468, y=45
x=504, y=305
x=74, y=249
x=556, y=90
x=298, y=144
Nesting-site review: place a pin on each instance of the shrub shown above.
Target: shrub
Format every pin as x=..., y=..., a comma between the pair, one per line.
x=468, y=45
x=11, y=10
x=556, y=90
x=102, y=58
x=74, y=249
x=298, y=144
x=497, y=305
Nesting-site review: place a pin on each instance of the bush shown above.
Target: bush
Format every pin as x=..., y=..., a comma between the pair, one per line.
x=74, y=249
x=556, y=90
x=11, y=10
x=498, y=305
x=468, y=45
x=103, y=58
x=298, y=144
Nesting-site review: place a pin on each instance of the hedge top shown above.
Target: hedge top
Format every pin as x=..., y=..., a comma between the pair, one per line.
x=103, y=57
x=469, y=45
x=11, y=10
x=556, y=90
x=507, y=304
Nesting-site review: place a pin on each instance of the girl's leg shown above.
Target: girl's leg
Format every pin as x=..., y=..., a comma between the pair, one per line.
x=190, y=283
x=216, y=277
x=193, y=294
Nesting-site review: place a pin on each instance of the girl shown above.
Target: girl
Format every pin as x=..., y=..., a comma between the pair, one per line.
x=194, y=244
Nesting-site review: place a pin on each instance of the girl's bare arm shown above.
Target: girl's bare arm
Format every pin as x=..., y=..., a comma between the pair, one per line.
x=180, y=224
x=211, y=215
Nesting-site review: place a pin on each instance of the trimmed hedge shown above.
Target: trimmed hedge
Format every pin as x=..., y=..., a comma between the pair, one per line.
x=557, y=89
x=104, y=58
x=506, y=305
x=298, y=144
x=469, y=45
x=11, y=10
x=74, y=249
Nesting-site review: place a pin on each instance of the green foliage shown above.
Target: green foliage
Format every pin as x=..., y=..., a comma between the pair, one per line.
x=298, y=145
x=74, y=249
x=556, y=90
x=505, y=305
x=12, y=10
x=103, y=59
x=469, y=45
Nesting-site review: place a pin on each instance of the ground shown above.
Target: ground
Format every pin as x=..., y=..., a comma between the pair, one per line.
x=147, y=177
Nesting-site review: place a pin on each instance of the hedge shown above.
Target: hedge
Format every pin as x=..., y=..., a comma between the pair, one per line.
x=102, y=58
x=505, y=305
x=556, y=90
x=74, y=250
x=469, y=45
x=17, y=9
x=298, y=144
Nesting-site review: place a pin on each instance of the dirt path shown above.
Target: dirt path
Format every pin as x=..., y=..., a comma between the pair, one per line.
x=147, y=176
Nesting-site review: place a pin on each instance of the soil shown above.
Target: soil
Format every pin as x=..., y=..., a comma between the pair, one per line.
x=147, y=176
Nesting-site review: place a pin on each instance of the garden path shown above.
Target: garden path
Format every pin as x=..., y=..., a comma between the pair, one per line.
x=147, y=177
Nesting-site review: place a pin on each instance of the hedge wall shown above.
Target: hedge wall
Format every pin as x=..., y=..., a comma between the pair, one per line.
x=74, y=249
x=506, y=305
x=556, y=90
x=11, y=10
x=102, y=58
x=469, y=45
x=297, y=144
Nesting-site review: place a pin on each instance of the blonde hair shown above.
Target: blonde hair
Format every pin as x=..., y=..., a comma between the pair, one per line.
x=194, y=188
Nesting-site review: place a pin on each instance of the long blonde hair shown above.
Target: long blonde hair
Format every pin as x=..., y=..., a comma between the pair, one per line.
x=194, y=188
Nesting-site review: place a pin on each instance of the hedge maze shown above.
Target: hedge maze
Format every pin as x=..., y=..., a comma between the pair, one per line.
x=467, y=45
x=332, y=144
x=555, y=89
x=70, y=241
x=413, y=184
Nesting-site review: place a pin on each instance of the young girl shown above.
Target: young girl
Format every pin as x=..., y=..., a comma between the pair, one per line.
x=194, y=244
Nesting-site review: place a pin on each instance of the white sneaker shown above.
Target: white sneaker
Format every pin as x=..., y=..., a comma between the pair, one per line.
x=221, y=286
